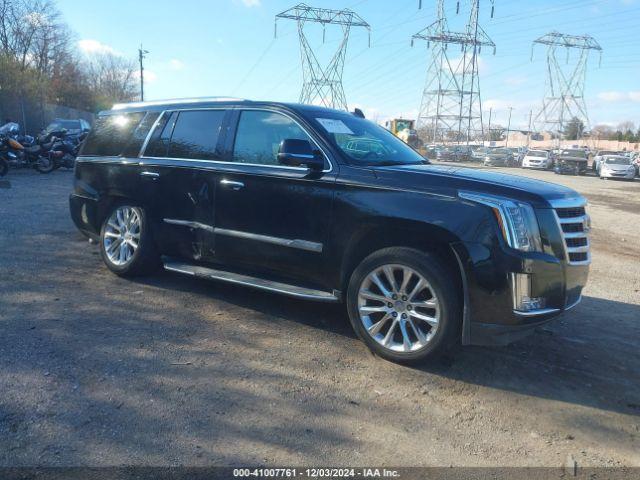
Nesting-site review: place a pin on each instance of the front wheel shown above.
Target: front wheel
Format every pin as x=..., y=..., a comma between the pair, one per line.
x=126, y=243
x=404, y=304
x=45, y=164
x=4, y=167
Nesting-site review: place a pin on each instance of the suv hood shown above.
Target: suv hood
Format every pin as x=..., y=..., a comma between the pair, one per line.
x=450, y=180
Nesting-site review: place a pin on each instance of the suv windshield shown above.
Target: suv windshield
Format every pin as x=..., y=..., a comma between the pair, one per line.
x=574, y=153
x=500, y=151
x=364, y=142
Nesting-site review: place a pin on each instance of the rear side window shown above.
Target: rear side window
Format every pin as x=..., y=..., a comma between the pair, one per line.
x=195, y=134
x=159, y=141
x=111, y=134
x=140, y=134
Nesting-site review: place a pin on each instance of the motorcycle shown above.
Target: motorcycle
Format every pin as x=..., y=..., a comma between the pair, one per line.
x=10, y=149
x=63, y=152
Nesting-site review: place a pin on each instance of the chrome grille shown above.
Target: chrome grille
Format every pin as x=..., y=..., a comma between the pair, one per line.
x=574, y=224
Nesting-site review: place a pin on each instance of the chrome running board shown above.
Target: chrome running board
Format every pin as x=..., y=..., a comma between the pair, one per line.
x=254, y=282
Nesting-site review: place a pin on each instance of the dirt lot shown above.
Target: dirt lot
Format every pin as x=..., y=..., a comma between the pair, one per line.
x=97, y=370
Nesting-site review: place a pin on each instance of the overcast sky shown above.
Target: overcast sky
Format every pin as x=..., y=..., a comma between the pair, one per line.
x=227, y=47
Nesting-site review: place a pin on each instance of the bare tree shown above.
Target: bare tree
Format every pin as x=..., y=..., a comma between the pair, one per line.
x=111, y=78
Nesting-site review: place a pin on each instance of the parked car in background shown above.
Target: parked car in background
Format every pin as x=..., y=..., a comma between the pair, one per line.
x=431, y=152
x=598, y=157
x=571, y=162
x=478, y=154
x=537, y=159
x=617, y=166
x=454, y=153
x=499, y=157
x=322, y=205
x=636, y=162
x=73, y=127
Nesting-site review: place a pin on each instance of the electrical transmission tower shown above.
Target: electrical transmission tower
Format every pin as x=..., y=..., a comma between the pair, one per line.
x=323, y=85
x=564, y=97
x=451, y=107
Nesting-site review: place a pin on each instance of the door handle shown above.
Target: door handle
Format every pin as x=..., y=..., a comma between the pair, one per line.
x=232, y=184
x=152, y=175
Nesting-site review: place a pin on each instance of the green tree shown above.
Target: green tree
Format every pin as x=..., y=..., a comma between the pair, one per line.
x=574, y=129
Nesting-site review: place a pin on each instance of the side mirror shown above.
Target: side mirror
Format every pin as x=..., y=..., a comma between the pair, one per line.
x=296, y=153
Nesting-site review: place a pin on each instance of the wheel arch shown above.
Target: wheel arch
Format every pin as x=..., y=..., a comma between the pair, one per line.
x=397, y=233
x=425, y=237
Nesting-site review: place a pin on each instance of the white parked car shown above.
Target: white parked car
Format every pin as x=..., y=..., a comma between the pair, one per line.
x=617, y=166
x=600, y=154
x=537, y=159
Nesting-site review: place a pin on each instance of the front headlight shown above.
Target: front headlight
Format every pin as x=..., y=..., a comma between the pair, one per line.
x=517, y=220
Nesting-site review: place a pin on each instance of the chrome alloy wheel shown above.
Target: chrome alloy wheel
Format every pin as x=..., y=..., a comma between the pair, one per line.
x=122, y=234
x=398, y=308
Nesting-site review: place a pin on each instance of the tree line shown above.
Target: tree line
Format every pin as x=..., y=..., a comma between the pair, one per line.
x=40, y=62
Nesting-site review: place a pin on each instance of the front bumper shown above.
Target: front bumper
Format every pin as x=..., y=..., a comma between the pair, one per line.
x=612, y=174
x=491, y=317
x=540, y=165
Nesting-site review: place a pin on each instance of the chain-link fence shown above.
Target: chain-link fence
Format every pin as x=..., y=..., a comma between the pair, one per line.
x=34, y=116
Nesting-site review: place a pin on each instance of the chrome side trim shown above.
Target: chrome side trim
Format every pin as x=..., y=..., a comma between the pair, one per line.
x=536, y=313
x=248, y=281
x=187, y=223
x=149, y=174
x=569, y=307
x=285, y=242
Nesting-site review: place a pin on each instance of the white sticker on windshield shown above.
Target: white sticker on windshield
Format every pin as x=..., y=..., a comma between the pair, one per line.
x=332, y=125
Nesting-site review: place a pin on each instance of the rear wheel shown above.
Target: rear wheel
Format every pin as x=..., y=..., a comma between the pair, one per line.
x=404, y=304
x=126, y=243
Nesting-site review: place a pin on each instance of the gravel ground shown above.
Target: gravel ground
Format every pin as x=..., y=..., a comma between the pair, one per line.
x=98, y=370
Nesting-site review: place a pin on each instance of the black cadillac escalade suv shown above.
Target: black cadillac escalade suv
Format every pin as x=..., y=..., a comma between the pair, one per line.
x=324, y=205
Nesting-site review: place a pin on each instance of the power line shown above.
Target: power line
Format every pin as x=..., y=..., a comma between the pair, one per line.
x=323, y=84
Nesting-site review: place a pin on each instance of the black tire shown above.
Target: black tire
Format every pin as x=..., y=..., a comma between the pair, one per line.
x=145, y=258
x=45, y=165
x=4, y=167
x=442, y=283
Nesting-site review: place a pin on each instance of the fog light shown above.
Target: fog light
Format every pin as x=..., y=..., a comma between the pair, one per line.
x=522, y=299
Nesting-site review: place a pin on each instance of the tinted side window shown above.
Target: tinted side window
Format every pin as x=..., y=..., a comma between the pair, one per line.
x=140, y=134
x=111, y=133
x=159, y=142
x=195, y=134
x=259, y=135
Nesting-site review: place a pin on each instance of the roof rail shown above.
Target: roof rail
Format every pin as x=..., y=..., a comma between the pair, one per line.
x=151, y=103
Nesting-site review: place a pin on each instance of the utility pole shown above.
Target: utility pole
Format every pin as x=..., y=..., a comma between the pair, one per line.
x=529, y=130
x=489, y=127
x=506, y=144
x=141, y=56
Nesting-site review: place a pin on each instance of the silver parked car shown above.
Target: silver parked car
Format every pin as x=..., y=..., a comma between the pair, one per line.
x=537, y=159
x=600, y=154
x=617, y=166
